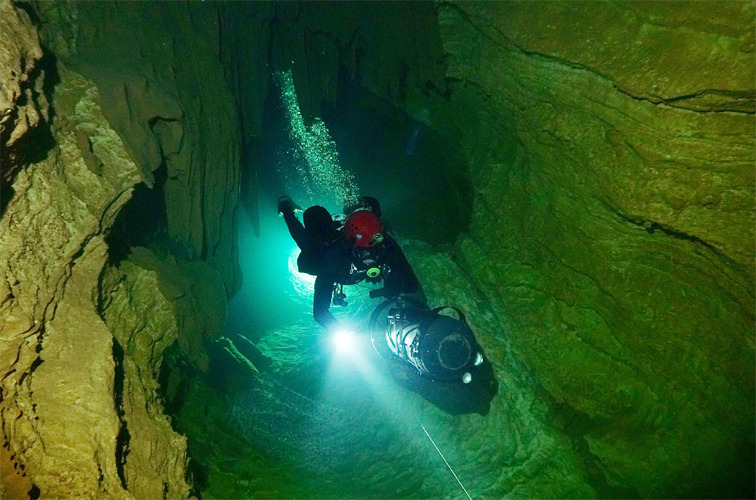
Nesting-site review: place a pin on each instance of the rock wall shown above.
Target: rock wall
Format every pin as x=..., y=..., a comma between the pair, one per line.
x=612, y=153
x=22, y=102
x=189, y=306
x=81, y=342
x=165, y=93
x=19, y=54
x=611, y=150
x=57, y=406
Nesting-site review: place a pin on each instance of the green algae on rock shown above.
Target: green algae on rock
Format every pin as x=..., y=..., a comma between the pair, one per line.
x=604, y=152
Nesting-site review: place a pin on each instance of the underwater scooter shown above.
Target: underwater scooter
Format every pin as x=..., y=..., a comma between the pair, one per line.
x=437, y=346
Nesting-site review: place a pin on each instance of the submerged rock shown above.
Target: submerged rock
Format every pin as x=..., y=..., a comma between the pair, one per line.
x=600, y=156
x=57, y=406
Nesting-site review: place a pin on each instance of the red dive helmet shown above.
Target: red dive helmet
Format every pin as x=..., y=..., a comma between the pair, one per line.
x=364, y=227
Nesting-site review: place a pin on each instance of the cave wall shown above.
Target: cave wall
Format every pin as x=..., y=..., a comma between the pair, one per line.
x=614, y=225
x=189, y=306
x=611, y=149
x=165, y=93
x=58, y=413
x=82, y=336
x=22, y=101
x=609, y=262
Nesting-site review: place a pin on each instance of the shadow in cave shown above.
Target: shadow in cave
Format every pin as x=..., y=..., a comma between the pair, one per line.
x=454, y=398
x=420, y=181
x=35, y=145
x=143, y=222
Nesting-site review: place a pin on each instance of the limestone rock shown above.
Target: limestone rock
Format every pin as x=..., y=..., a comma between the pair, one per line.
x=613, y=234
x=165, y=93
x=149, y=303
x=57, y=407
x=19, y=53
x=691, y=55
x=193, y=295
x=22, y=102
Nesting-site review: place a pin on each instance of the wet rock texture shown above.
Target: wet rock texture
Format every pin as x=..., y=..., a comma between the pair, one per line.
x=149, y=303
x=78, y=351
x=612, y=231
x=607, y=270
x=58, y=411
x=172, y=119
x=22, y=103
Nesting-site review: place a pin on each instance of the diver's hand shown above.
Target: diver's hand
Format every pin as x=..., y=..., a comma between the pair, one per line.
x=286, y=204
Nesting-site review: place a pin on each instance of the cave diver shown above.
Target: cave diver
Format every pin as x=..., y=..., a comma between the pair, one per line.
x=404, y=328
x=346, y=254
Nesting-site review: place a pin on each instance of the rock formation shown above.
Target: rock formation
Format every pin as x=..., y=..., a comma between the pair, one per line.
x=68, y=428
x=58, y=410
x=604, y=155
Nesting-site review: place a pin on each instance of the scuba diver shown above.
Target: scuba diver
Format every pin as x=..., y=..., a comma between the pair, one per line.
x=347, y=254
x=429, y=352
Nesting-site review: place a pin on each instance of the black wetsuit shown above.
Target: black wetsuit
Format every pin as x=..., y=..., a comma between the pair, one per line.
x=334, y=262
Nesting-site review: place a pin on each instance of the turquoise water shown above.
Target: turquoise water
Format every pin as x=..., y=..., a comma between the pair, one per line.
x=353, y=150
x=300, y=161
x=313, y=169
x=307, y=418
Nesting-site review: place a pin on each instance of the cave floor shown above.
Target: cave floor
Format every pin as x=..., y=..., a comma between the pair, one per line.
x=318, y=422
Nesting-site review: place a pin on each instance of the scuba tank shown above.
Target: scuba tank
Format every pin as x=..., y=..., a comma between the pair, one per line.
x=440, y=347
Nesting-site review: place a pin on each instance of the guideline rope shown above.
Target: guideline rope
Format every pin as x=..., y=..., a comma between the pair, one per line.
x=357, y=286
x=443, y=457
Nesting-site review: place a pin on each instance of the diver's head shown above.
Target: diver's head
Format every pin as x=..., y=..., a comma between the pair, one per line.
x=318, y=222
x=364, y=228
x=364, y=203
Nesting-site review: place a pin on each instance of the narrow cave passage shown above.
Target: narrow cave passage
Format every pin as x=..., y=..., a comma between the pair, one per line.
x=419, y=182
x=284, y=412
x=576, y=177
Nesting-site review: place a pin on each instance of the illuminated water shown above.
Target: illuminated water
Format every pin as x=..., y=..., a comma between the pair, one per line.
x=307, y=168
x=315, y=416
x=315, y=167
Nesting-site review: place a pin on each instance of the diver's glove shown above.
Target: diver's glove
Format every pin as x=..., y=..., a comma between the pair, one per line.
x=286, y=204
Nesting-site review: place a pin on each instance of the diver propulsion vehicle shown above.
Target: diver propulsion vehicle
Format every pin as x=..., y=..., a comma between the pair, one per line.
x=440, y=347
